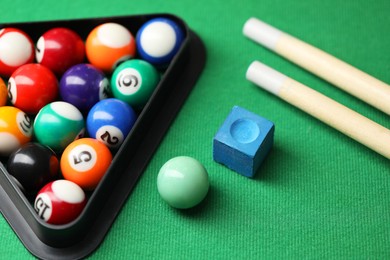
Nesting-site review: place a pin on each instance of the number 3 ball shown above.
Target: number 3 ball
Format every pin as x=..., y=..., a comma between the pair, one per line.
x=59, y=49
x=16, y=49
x=33, y=165
x=110, y=121
x=31, y=87
x=15, y=129
x=108, y=44
x=85, y=161
x=58, y=124
x=60, y=202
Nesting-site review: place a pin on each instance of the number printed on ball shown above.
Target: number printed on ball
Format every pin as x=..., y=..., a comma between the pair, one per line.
x=82, y=158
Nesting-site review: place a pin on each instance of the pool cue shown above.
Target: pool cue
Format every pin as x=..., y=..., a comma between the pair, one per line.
x=320, y=63
x=334, y=114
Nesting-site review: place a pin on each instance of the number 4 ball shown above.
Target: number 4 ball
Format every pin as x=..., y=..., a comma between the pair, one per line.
x=85, y=161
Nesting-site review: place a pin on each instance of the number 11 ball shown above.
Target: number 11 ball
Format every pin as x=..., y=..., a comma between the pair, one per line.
x=15, y=129
x=85, y=161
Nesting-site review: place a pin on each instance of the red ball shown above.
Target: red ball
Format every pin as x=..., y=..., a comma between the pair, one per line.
x=16, y=49
x=59, y=49
x=31, y=87
x=60, y=202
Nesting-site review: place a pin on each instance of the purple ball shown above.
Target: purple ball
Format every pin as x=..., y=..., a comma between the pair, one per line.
x=83, y=85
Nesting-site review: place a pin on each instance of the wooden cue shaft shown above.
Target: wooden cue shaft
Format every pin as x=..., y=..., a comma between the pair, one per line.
x=347, y=121
x=322, y=64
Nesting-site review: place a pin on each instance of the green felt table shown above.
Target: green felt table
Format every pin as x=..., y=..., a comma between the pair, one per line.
x=318, y=195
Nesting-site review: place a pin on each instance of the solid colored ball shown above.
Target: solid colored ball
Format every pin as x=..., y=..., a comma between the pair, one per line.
x=3, y=93
x=31, y=87
x=83, y=85
x=85, y=161
x=110, y=121
x=134, y=81
x=59, y=49
x=108, y=44
x=158, y=40
x=183, y=182
x=16, y=129
x=60, y=202
x=16, y=49
x=33, y=165
x=58, y=124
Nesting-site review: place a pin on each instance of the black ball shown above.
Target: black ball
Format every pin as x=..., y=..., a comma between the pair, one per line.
x=33, y=165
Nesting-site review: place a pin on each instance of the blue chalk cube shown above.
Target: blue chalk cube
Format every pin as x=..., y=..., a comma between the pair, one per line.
x=243, y=141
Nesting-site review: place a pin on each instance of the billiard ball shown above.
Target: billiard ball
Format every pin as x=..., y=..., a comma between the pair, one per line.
x=3, y=93
x=83, y=85
x=16, y=49
x=59, y=48
x=85, y=161
x=31, y=87
x=110, y=121
x=15, y=129
x=158, y=41
x=60, y=202
x=134, y=81
x=108, y=44
x=183, y=182
x=58, y=124
x=33, y=165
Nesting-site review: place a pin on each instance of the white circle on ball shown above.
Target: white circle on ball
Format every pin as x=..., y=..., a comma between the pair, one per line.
x=40, y=49
x=158, y=39
x=110, y=135
x=43, y=206
x=104, y=87
x=8, y=143
x=128, y=81
x=12, y=90
x=66, y=110
x=82, y=158
x=15, y=49
x=24, y=124
x=68, y=191
x=113, y=35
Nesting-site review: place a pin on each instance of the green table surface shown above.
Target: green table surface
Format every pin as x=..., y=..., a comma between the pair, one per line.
x=318, y=195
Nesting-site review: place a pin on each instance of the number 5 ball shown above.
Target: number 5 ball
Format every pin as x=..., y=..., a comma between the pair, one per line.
x=85, y=161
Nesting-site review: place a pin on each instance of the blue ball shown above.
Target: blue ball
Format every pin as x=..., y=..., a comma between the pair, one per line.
x=158, y=41
x=110, y=121
x=83, y=85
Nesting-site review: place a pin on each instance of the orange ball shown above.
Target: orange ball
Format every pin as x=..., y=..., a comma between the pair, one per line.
x=108, y=44
x=16, y=129
x=85, y=161
x=3, y=93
